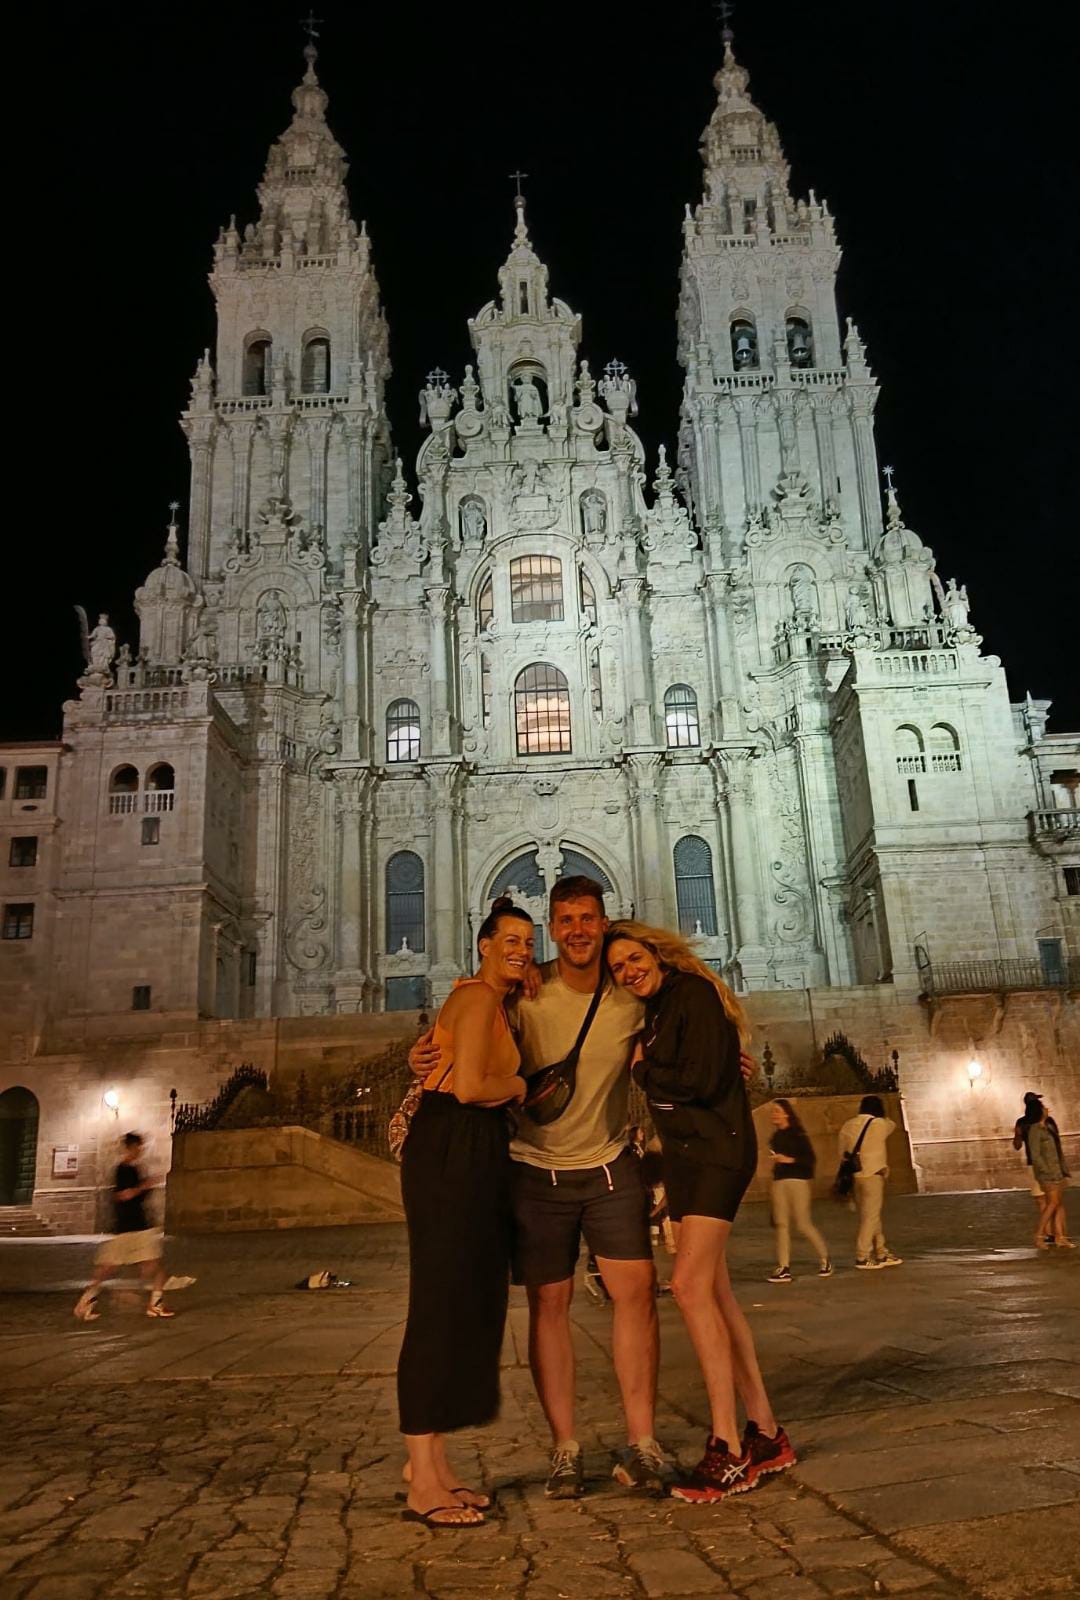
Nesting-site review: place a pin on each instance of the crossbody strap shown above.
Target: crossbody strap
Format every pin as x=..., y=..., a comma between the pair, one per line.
x=583, y=1031
x=862, y=1135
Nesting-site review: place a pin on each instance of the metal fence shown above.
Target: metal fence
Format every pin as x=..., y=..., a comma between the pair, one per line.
x=998, y=977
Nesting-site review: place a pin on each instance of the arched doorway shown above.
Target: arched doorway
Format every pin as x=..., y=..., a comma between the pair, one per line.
x=18, y=1146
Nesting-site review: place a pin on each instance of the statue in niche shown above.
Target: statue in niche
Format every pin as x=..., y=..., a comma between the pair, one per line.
x=271, y=617
x=593, y=515
x=473, y=521
x=856, y=612
x=102, y=644
x=956, y=605
x=803, y=594
x=528, y=401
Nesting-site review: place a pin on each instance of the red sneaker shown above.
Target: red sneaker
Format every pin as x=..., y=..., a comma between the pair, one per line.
x=765, y=1455
x=717, y=1475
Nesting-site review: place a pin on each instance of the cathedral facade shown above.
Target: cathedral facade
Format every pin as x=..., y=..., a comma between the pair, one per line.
x=731, y=685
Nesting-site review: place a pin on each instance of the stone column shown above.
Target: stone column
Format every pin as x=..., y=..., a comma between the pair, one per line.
x=653, y=897
x=439, y=605
x=447, y=919
x=355, y=606
x=351, y=982
x=318, y=429
x=826, y=447
x=714, y=591
x=746, y=416
x=861, y=406
x=734, y=786
x=631, y=593
x=241, y=434
x=355, y=434
x=201, y=441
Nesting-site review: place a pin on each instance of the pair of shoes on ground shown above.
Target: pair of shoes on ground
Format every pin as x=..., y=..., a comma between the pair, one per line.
x=875, y=1263
x=720, y=1473
x=639, y=1466
x=783, y=1274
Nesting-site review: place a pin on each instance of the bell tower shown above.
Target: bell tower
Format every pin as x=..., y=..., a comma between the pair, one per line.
x=290, y=404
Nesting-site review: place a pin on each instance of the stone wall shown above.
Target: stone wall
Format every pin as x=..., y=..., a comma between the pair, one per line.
x=823, y=1116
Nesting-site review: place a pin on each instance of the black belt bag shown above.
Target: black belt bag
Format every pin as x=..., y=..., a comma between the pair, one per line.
x=550, y=1090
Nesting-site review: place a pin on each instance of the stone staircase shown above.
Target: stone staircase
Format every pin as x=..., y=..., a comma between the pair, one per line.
x=24, y=1223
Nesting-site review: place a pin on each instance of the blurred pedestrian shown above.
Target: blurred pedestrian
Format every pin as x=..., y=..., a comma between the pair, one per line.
x=135, y=1241
x=792, y=1189
x=865, y=1136
x=1033, y=1110
x=1048, y=1166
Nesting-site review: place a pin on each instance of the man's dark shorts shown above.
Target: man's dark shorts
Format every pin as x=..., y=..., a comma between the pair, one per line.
x=609, y=1205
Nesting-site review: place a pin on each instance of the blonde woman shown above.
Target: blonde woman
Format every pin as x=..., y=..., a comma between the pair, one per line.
x=688, y=1066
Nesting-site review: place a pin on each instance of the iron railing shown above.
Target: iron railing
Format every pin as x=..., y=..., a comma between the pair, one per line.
x=998, y=977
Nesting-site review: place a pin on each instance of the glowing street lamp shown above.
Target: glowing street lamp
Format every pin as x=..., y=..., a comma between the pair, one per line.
x=111, y=1099
x=974, y=1071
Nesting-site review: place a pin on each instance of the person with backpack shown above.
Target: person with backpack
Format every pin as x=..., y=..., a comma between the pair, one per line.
x=863, y=1138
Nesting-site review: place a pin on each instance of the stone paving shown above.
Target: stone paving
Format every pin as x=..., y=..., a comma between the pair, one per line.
x=248, y=1448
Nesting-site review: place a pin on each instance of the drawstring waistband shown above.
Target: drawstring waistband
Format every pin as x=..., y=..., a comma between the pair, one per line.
x=603, y=1167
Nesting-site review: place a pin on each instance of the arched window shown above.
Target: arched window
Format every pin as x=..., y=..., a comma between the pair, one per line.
x=681, y=717
x=403, y=731
x=909, y=750
x=695, y=893
x=257, y=363
x=315, y=365
x=588, y=597
x=800, y=342
x=405, y=903
x=744, y=345
x=160, y=788
x=536, y=589
x=485, y=606
x=944, y=748
x=123, y=791
x=542, y=711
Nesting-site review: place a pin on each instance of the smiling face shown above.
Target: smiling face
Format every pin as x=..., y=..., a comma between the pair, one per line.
x=779, y=1116
x=577, y=929
x=505, y=957
x=634, y=967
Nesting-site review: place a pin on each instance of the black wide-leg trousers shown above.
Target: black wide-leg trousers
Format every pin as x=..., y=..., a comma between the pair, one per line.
x=455, y=1183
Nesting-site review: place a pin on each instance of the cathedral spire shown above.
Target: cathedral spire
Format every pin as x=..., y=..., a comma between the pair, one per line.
x=302, y=197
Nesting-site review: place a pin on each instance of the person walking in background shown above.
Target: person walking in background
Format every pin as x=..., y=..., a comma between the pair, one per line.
x=792, y=1187
x=869, y=1131
x=1049, y=1169
x=688, y=1066
x=1033, y=1111
x=455, y=1187
x=135, y=1241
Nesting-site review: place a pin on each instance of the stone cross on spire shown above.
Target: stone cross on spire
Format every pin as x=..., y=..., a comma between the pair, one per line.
x=519, y=178
x=725, y=11
x=310, y=25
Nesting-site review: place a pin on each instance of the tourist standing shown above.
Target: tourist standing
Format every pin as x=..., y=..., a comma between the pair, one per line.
x=1048, y=1166
x=455, y=1185
x=135, y=1241
x=792, y=1188
x=689, y=1067
x=865, y=1135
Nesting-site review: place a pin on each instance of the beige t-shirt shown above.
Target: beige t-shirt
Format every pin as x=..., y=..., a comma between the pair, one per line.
x=872, y=1154
x=592, y=1129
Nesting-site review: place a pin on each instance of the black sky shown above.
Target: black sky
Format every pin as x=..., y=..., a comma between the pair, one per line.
x=939, y=138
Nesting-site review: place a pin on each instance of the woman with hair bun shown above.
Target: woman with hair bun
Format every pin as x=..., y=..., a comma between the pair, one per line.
x=455, y=1178
x=688, y=1066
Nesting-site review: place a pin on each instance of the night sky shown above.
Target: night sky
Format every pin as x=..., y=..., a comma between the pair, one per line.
x=937, y=134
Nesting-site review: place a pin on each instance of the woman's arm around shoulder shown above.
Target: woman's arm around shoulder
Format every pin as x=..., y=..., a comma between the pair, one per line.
x=470, y=1016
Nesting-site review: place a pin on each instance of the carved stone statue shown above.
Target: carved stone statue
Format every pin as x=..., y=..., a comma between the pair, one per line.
x=856, y=612
x=271, y=616
x=102, y=645
x=473, y=521
x=956, y=605
x=528, y=401
x=593, y=515
x=803, y=594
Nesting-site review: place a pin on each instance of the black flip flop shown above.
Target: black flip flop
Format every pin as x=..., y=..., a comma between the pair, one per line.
x=492, y=1505
x=408, y=1515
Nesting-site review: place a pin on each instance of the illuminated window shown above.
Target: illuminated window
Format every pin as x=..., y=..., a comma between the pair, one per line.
x=405, y=902
x=536, y=589
x=695, y=894
x=403, y=731
x=681, y=717
x=542, y=711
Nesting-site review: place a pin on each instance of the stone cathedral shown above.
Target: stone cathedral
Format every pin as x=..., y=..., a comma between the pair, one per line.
x=367, y=695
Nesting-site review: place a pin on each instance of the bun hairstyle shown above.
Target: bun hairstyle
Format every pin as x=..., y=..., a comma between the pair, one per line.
x=502, y=907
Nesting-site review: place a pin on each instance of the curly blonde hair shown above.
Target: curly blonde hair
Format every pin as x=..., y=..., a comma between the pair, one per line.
x=672, y=950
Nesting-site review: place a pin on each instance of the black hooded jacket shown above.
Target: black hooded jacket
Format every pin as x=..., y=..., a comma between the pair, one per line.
x=690, y=1075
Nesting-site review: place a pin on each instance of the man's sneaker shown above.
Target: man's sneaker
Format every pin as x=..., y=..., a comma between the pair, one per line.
x=889, y=1260
x=780, y=1275
x=85, y=1308
x=869, y=1265
x=717, y=1475
x=766, y=1455
x=159, y=1310
x=643, y=1466
x=566, y=1480
x=826, y=1269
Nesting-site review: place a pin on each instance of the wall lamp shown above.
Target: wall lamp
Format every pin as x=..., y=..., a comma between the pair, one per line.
x=111, y=1099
